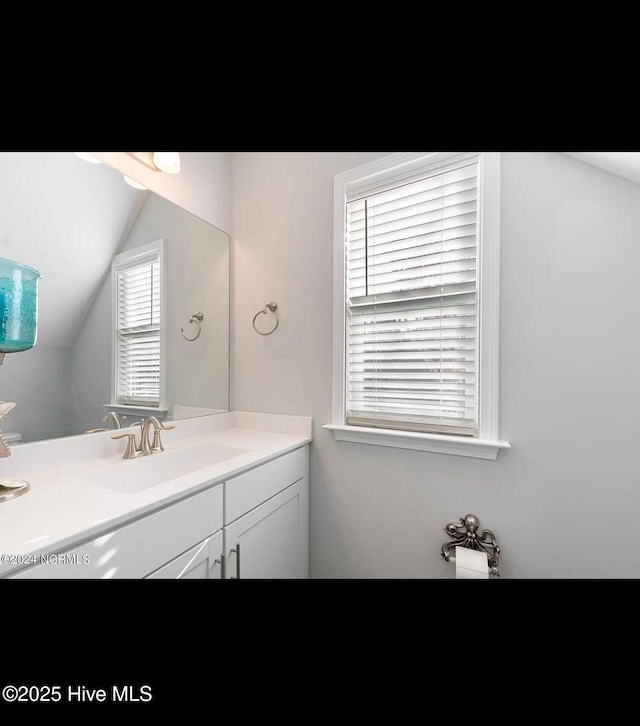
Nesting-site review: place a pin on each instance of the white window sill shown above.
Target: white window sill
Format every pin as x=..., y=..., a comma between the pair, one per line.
x=122, y=410
x=454, y=445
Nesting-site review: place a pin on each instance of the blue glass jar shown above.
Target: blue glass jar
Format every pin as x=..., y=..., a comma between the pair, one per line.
x=18, y=306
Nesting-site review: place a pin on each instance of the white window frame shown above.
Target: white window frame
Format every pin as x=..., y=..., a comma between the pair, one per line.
x=404, y=167
x=126, y=259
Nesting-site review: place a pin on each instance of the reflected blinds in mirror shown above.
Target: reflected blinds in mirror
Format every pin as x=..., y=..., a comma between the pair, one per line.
x=411, y=305
x=138, y=331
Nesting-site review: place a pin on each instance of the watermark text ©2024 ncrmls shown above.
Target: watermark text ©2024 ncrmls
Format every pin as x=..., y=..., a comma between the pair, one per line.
x=46, y=559
x=76, y=694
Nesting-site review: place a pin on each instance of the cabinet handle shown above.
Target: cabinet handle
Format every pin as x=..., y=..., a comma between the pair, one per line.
x=221, y=562
x=237, y=554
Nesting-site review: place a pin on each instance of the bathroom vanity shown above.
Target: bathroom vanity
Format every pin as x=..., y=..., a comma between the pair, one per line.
x=228, y=498
x=132, y=322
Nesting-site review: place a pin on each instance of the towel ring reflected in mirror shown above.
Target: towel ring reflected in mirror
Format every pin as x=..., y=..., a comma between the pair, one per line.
x=197, y=318
x=265, y=311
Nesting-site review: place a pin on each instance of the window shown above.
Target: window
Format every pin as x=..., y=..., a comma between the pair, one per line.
x=138, y=295
x=417, y=245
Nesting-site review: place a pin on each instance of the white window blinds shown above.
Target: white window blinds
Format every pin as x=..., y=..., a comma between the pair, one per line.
x=138, y=291
x=411, y=305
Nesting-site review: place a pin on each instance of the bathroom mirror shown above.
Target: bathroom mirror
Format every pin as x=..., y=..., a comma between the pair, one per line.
x=69, y=219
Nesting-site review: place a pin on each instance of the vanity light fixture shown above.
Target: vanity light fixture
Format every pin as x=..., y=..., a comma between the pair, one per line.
x=135, y=184
x=166, y=161
x=87, y=156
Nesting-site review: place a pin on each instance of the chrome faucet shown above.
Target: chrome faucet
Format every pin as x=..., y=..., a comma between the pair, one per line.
x=116, y=419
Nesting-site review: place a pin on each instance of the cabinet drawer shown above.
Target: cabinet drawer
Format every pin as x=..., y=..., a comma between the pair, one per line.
x=139, y=548
x=249, y=490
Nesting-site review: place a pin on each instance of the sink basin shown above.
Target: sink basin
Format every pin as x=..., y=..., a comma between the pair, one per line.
x=136, y=475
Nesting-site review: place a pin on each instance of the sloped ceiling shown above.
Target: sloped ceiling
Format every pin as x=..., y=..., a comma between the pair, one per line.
x=622, y=163
x=66, y=218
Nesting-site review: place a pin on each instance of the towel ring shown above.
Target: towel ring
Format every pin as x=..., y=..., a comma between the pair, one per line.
x=269, y=306
x=197, y=319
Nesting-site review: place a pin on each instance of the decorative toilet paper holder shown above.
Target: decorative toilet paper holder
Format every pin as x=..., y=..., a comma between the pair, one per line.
x=471, y=539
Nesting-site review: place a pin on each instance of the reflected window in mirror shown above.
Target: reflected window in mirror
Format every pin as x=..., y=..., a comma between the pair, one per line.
x=138, y=292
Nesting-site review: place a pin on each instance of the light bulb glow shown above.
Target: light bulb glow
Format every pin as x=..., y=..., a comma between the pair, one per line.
x=135, y=184
x=167, y=161
x=87, y=156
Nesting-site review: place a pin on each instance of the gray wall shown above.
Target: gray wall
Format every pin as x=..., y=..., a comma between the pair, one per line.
x=91, y=364
x=569, y=353
x=39, y=382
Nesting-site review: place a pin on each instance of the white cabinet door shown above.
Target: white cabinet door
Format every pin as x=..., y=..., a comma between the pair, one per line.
x=202, y=562
x=271, y=542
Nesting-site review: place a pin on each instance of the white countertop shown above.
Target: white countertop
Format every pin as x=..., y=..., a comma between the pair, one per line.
x=64, y=507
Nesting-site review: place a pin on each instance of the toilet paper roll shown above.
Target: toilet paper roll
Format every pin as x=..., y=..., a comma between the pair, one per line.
x=471, y=564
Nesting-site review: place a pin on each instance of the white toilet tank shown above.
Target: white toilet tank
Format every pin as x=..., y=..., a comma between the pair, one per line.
x=12, y=438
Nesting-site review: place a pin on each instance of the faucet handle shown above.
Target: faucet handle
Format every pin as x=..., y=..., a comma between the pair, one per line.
x=156, y=446
x=131, y=452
